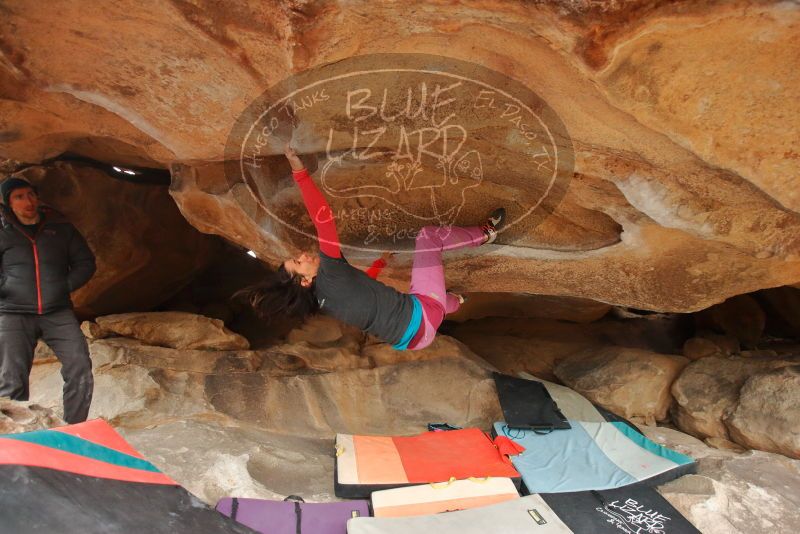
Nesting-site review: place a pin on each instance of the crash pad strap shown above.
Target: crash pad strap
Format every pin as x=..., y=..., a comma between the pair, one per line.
x=234, y=508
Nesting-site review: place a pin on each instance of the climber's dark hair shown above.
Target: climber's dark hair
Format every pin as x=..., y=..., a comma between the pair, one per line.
x=280, y=294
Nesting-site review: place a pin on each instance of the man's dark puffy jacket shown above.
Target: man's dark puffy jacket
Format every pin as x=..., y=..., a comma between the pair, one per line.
x=37, y=273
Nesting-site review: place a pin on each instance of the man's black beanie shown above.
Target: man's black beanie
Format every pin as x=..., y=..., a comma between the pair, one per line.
x=13, y=183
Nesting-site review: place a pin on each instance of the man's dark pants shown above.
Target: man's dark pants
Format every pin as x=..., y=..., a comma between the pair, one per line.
x=19, y=333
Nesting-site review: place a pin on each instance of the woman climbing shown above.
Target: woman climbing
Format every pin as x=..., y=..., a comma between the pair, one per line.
x=325, y=282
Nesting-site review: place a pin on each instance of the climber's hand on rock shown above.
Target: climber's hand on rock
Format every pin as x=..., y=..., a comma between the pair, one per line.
x=294, y=159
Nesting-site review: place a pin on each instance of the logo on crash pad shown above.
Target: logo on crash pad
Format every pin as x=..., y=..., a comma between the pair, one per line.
x=631, y=517
x=401, y=141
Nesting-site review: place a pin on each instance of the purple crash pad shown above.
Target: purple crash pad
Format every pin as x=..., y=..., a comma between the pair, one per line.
x=281, y=517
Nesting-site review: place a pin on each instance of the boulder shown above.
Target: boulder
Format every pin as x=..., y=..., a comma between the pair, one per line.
x=710, y=345
x=708, y=389
x=381, y=354
x=480, y=305
x=393, y=399
x=728, y=345
x=535, y=346
x=767, y=416
x=278, y=392
x=25, y=416
x=325, y=331
x=740, y=317
x=43, y=352
x=782, y=307
x=662, y=332
x=759, y=353
x=724, y=444
x=135, y=381
x=512, y=355
x=698, y=347
x=325, y=344
x=215, y=457
x=327, y=359
x=179, y=330
x=680, y=198
x=119, y=351
x=633, y=383
x=119, y=389
x=92, y=330
x=733, y=493
x=684, y=443
x=524, y=345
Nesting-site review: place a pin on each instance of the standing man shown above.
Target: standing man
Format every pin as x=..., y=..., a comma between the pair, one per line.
x=43, y=258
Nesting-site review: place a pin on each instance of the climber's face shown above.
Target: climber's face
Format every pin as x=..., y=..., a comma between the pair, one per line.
x=305, y=265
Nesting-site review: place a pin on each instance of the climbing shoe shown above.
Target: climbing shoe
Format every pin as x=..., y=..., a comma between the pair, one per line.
x=494, y=223
x=461, y=298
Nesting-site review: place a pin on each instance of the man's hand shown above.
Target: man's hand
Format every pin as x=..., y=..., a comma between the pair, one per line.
x=386, y=256
x=294, y=160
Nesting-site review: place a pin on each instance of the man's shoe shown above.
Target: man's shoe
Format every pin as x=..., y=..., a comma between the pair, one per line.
x=494, y=223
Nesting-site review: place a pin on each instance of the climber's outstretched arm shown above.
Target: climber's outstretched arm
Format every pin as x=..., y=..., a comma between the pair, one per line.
x=316, y=205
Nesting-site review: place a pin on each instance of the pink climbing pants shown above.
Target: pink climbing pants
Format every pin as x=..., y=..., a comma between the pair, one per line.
x=427, y=275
